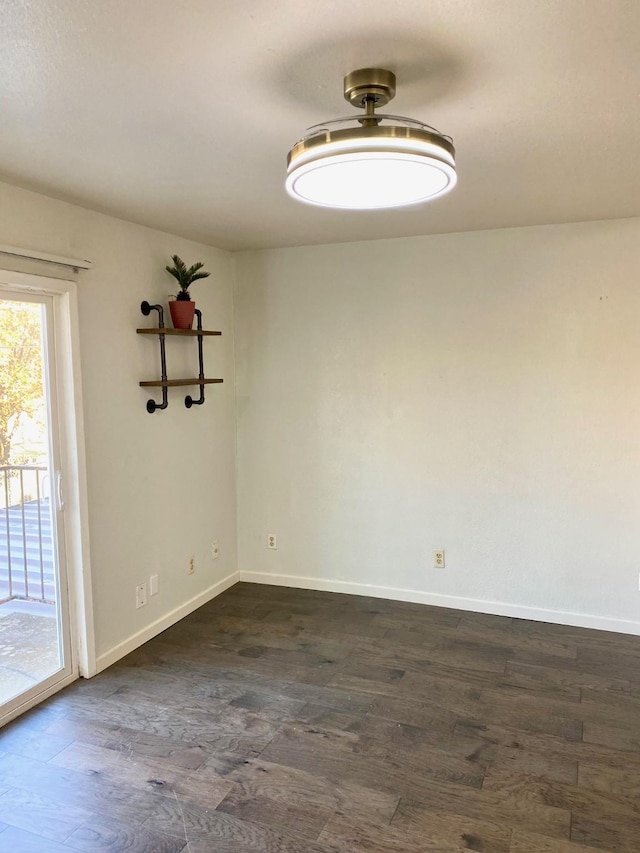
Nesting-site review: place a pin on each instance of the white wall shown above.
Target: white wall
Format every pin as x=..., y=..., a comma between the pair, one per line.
x=161, y=487
x=476, y=392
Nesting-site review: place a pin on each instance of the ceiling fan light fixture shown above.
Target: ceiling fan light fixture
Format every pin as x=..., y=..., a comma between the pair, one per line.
x=371, y=165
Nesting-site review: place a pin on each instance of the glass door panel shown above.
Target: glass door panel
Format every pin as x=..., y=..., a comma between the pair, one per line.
x=34, y=614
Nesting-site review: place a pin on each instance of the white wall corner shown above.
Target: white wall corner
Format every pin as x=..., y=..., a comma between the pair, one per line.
x=110, y=657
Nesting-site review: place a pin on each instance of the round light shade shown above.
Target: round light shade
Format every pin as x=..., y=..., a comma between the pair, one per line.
x=368, y=168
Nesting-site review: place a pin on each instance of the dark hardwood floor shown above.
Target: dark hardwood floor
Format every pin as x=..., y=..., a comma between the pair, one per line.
x=276, y=720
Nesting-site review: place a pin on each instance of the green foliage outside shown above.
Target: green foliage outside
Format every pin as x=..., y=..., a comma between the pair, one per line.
x=21, y=389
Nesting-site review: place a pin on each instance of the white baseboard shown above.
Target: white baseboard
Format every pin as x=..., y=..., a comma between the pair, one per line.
x=108, y=658
x=497, y=608
x=455, y=602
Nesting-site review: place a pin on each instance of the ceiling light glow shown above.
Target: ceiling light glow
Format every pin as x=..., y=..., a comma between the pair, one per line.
x=371, y=165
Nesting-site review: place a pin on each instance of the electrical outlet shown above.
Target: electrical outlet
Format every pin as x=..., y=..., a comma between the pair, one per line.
x=141, y=595
x=272, y=542
x=215, y=550
x=153, y=585
x=192, y=565
x=438, y=559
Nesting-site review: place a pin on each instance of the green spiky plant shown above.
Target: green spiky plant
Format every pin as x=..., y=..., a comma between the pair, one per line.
x=185, y=277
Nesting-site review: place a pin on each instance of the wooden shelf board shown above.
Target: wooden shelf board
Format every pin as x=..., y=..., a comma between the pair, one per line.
x=188, y=333
x=171, y=383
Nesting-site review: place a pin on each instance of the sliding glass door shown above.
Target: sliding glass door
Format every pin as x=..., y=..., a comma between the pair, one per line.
x=35, y=627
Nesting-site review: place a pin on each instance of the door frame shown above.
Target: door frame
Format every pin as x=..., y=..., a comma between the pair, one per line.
x=66, y=340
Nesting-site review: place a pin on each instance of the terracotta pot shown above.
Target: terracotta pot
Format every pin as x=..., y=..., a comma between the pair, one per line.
x=182, y=313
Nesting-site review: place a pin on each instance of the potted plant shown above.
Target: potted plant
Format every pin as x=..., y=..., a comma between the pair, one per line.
x=182, y=308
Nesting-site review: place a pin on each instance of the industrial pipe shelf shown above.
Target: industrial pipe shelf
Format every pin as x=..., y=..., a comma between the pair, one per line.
x=162, y=331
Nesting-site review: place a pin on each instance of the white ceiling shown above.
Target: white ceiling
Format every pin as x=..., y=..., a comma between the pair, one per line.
x=179, y=115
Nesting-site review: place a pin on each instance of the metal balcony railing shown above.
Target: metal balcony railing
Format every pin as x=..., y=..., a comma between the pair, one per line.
x=26, y=541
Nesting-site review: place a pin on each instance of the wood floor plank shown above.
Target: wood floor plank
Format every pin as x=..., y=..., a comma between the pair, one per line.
x=605, y=807
x=251, y=802
x=563, y=682
x=483, y=665
x=501, y=639
x=548, y=744
x=528, y=842
x=618, y=710
x=600, y=661
x=503, y=808
x=520, y=634
x=41, y=815
x=415, y=617
x=34, y=744
x=523, y=762
x=538, y=714
x=143, y=775
x=213, y=725
x=368, y=678
x=70, y=789
x=14, y=840
x=104, y=836
x=613, y=695
x=225, y=833
x=349, y=702
x=441, y=834
x=279, y=783
x=133, y=742
x=597, y=831
x=626, y=739
x=612, y=780
x=444, y=690
x=470, y=833
x=344, y=755
x=412, y=712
